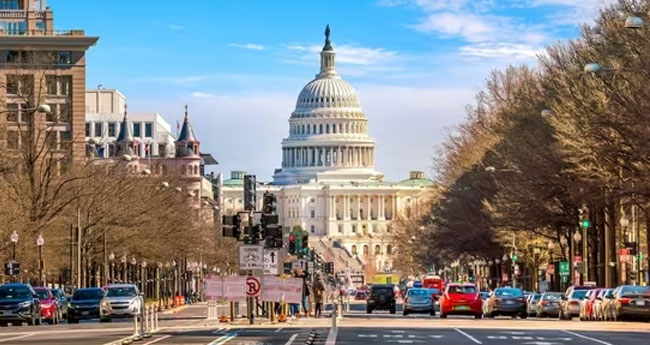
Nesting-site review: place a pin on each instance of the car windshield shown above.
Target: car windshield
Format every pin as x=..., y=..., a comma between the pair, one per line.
x=552, y=296
x=88, y=294
x=535, y=298
x=434, y=291
x=383, y=291
x=419, y=292
x=508, y=293
x=579, y=293
x=635, y=290
x=58, y=293
x=465, y=289
x=610, y=294
x=127, y=291
x=11, y=292
x=42, y=294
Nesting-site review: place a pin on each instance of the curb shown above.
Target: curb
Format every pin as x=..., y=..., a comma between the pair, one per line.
x=174, y=310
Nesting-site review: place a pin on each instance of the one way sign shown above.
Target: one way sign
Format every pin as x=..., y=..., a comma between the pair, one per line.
x=271, y=261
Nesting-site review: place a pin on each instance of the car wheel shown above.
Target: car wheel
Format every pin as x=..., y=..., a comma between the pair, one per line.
x=32, y=320
x=433, y=311
x=523, y=316
x=105, y=319
x=17, y=323
x=3, y=324
x=368, y=311
x=392, y=310
x=72, y=320
x=405, y=312
x=478, y=316
x=443, y=315
x=38, y=320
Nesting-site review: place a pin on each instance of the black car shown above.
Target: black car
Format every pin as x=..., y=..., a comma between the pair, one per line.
x=19, y=303
x=89, y=303
x=506, y=301
x=382, y=297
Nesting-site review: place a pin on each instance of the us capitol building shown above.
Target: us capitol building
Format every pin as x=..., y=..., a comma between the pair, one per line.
x=328, y=184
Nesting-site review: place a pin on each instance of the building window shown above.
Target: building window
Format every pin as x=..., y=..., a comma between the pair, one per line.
x=64, y=58
x=377, y=249
x=312, y=213
x=327, y=128
x=365, y=249
x=340, y=229
x=321, y=129
x=137, y=130
x=65, y=113
x=12, y=139
x=65, y=140
x=59, y=85
x=354, y=228
x=12, y=112
x=20, y=84
x=148, y=129
x=313, y=229
x=9, y=5
x=354, y=249
x=50, y=140
x=87, y=129
x=162, y=150
x=389, y=249
x=98, y=129
x=111, y=129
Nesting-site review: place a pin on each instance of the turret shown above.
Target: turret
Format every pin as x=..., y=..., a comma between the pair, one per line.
x=187, y=144
x=125, y=144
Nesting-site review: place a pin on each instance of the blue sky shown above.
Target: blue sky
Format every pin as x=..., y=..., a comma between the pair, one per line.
x=240, y=64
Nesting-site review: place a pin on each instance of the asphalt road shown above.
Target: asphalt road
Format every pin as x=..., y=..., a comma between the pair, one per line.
x=190, y=327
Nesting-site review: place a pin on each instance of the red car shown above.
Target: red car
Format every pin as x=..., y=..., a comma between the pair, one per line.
x=587, y=305
x=49, y=305
x=361, y=296
x=461, y=299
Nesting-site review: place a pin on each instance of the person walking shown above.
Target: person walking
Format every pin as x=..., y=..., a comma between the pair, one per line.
x=318, y=288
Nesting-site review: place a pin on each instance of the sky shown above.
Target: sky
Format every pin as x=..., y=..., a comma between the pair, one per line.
x=240, y=64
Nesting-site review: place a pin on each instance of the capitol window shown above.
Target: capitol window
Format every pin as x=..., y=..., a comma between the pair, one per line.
x=327, y=128
x=313, y=213
x=354, y=249
x=321, y=129
x=340, y=229
x=313, y=229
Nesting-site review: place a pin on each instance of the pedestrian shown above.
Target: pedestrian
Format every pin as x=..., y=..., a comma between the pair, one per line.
x=295, y=307
x=319, y=290
x=305, y=292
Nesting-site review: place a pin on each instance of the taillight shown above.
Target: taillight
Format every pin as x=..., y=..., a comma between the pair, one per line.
x=544, y=302
x=624, y=300
x=406, y=300
x=574, y=303
x=521, y=299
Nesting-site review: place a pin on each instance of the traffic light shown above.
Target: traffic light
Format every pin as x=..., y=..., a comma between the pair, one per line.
x=329, y=267
x=292, y=244
x=269, y=204
x=584, y=217
x=304, y=242
x=250, y=190
x=231, y=226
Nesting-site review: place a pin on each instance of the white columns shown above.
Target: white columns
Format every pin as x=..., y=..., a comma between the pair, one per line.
x=358, y=210
x=381, y=211
x=346, y=207
x=368, y=207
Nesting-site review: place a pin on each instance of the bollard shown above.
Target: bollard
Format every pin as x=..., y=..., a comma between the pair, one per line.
x=156, y=322
x=146, y=320
x=334, y=312
x=136, y=328
x=151, y=324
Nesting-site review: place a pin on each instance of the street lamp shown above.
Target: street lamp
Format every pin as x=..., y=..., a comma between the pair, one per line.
x=624, y=221
x=14, y=239
x=547, y=113
x=633, y=22
x=551, y=245
x=123, y=261
x=577, y=237
x=563, y=240
x=40, y=242
x=592, y=67
x=111, y=257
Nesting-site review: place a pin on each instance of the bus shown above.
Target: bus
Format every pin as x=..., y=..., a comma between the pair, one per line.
x=434, y=282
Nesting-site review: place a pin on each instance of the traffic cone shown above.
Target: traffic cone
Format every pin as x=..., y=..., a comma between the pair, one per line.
x=223, y=318
x=282, y=318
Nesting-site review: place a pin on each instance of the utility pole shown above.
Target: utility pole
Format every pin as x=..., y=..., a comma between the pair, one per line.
x=250, y=198
x=78, y=248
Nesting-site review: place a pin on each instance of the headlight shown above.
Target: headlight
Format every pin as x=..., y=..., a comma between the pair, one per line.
x=105, y=304
x=71, y=306
x=24, y=304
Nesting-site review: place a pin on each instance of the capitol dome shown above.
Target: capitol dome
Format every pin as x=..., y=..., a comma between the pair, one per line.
x=328, y=131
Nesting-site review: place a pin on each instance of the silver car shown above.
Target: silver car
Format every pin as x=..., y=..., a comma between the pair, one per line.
x=531, y=303
x=125, y=300
x=549, y=304
x=419, y=300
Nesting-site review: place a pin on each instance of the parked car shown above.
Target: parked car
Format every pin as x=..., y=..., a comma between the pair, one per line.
x=632, y=301
x=63, y=300
x=570, y=305
x=125, y=300
x=549, y=304
x=49, y=305
x=531, y=303
x=419, y=300
x=382, y=297
x=587, y=305
x=598, y=307
x=507, y=301
x=19, y=303
x=461, y=299
x=89, y=303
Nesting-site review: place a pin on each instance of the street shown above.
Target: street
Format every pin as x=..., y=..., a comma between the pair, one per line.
x=189, y=326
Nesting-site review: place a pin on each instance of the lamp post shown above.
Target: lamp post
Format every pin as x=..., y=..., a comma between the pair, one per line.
x=124, y=268
x=111, y=274
x=134, y=269
x=497, y=262
x=551, y=246
x=158, y=297
x=14, y=239
x=577, y=238
x=175, y=292
x=39, y=243
x=144, y=278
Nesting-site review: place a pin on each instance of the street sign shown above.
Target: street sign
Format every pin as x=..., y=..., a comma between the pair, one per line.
x=272, y=291
x=251, y=257
x=564, y=268
x=300, y=263
x=253, y=286
x=577, y=259
x=550, y=269
x=213, y=287
x=504, y=277
x=234, y=288
x=271, y=261
x=624, y=255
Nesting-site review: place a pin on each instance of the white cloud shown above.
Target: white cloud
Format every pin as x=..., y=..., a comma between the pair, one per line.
x=345, y=54
x=250, y=46
x=502, y=50
x=392, y=3
x=471, y=27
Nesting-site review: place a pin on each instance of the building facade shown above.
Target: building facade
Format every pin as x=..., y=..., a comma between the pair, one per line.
x=104, y=113
x=327, y=183
x=42, y=68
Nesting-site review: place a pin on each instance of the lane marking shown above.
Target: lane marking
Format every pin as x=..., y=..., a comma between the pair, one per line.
x=157, y=340
x=290, y=341
x=224, y=339
x=278, y=330
x=331, y=337
x=16, y=338
x=469, y=336
x=586, y=337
